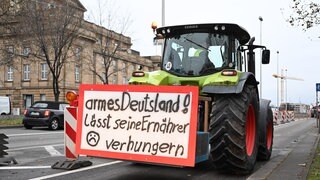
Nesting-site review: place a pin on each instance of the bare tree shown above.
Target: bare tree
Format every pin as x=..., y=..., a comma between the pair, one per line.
x=51, y=29
x=8, y=11
x=109, y=41
x=305, y=14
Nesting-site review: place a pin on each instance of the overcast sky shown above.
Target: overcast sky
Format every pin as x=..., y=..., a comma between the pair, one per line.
x=298, y=51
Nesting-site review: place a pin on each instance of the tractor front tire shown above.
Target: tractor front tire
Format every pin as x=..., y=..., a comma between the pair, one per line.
x=233, y=131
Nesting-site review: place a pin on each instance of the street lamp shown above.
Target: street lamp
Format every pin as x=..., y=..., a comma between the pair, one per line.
x=286, y=90
x=163, y=13
x=277, y=79
x=286, y=85
x=260, y=19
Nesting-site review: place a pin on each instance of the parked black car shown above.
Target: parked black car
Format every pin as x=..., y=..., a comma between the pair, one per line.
x=45, y=113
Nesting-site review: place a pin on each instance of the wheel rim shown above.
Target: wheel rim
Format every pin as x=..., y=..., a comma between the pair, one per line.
x=250, y=130
x=54, y=124
x=269, y=134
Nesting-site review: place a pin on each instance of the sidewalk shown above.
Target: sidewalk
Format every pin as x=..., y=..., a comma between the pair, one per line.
x=295, y=162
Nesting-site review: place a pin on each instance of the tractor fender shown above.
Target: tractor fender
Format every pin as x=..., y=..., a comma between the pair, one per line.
x=264, y=117
x=245, y=78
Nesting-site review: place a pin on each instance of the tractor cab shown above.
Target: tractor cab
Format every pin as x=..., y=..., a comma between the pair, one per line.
x=202, y=49
x=199, y=50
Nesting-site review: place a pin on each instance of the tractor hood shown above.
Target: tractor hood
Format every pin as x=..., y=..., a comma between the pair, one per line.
x=164, y=78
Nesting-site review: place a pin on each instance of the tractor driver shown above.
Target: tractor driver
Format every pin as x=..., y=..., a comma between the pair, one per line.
x=203, y=62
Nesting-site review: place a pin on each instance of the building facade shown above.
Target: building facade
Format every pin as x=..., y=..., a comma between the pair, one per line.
x=27, y=79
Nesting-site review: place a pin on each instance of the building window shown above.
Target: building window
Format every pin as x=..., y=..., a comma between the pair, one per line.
x=114, y=65
x=26, y=72
x=10, y=73
x=132, y=67
x=124, y=80
x=77, y=73
x=42, y=97
x=44, y=71
x=114, y=79
x=26, y=51
x=104, y=77
x=78, y=53
x=28, y=100
x=10, y=51
x=99, y=39
x=124, y=68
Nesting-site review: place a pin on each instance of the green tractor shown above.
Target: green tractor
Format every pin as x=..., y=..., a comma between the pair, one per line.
x=220, y=60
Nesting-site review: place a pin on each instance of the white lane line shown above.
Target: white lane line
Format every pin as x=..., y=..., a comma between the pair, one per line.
x=24, y=167
x=34, y=134
x=76, y=170
x=32, y=147
x=52, y=151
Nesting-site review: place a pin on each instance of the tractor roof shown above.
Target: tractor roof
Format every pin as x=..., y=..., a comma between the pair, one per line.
x=220, y=28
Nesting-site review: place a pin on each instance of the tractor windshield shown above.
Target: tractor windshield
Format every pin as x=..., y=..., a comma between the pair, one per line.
x=196, y=54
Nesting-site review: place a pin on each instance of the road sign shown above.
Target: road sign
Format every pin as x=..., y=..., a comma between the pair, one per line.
x=317, y=86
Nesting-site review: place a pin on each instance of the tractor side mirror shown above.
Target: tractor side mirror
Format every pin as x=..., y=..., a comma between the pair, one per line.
x=266, y=56
x=158, y=40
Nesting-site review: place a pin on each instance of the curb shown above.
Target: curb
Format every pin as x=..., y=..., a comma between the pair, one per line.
x=10, y=127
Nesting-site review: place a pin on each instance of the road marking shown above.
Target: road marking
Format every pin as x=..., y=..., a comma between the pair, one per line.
x=24, y=167
x=52, y=151
x=76, y=170
x=33, y=134
x=32, y=147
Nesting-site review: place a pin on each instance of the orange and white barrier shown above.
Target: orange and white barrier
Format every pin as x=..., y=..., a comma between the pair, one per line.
x=275, y=117
x=283, y=117
x=70, y=129
x=70, y=133
x=287, y=116
x=291, y=116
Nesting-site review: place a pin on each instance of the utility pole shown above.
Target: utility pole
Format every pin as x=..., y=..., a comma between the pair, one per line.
x=260, y=19
x=278, y=79
x=163, y=13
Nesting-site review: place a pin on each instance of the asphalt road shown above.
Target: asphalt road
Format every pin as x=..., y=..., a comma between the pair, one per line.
x=37, y=149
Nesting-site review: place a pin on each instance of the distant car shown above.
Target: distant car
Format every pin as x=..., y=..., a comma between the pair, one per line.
x=45, y=113
x=5, y=105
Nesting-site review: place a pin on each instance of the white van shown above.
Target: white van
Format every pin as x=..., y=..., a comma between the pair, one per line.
x=5, y=105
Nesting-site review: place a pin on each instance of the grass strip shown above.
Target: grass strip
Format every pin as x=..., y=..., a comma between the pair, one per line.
x=314, y=172
x=10, y=122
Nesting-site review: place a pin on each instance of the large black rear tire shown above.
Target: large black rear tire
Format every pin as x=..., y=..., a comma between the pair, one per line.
x=233, y=131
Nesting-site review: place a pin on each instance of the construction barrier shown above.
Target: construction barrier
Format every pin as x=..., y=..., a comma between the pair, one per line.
x=3, y=153
x=70, y=133
x=287, y=116
x=70, y=129
x=283, y=117
x=275, y=117
x=291, y=116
